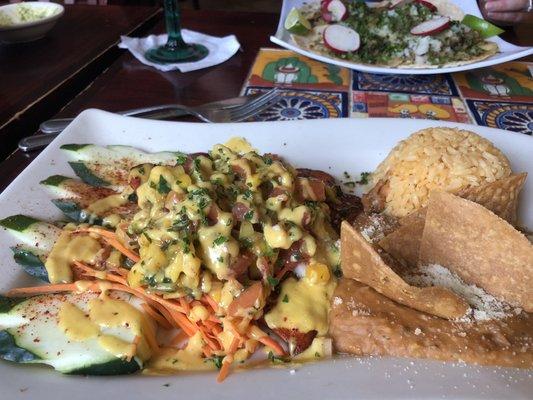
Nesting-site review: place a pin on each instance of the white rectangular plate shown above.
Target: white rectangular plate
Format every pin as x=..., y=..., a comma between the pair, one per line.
x=334, y=145
x=507, y=52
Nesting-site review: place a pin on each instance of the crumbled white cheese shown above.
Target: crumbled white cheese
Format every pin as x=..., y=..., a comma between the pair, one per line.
x=483, y=305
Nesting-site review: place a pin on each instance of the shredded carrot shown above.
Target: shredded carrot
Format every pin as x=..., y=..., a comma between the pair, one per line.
x=275, y=346
x=165, y=314
x=234, y=345
x=35, y=290
x=98, y=231
x=210, y=342
x=156, y=316
x=231, y=327
x=209, y=300
x=210, y=324
x=207, y=351
x=135, y=343
x=112, y=240
x=212, y=318
x=226, y=363
x=185, y=305
x=123, y=249
x=139, y=291
x=151, y=338
x=224, y=371
x=183, y=322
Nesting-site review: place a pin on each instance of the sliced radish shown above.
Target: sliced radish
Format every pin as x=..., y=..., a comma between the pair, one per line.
x=334, y=11
x=397, y=3
x=341, y=39
x=427, y=4
x=431, y=27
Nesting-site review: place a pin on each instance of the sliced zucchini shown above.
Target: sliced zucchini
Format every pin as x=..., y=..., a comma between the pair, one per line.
x=109, y=166
x=75, y=196
x=117, y=154
x=38, y=239
x=31, y=232
x=89, y=173
x=67, y=188
x=30, y=333
x=32, y=263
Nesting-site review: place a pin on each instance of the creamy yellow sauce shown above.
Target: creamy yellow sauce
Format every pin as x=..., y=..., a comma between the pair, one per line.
x=239, y=145
x=69, y=247
x=105, y=313
x=188, y=359
x=101, y=206
x=189, y=240
x=76, y=324
x=306, y=307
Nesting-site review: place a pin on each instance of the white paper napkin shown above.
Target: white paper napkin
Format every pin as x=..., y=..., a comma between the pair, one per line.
x=220, y=49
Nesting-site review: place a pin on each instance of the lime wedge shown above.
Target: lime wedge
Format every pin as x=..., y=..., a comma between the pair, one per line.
x=485, y=28
x=296, y=23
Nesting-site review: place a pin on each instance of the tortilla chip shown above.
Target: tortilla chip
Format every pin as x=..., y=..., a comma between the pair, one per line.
x=404, y=243
x=360, y=261
x=500, y=197
x=480, y=247
x=364, y=322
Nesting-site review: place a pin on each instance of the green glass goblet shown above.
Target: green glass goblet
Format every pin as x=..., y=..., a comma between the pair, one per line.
x=175, y=50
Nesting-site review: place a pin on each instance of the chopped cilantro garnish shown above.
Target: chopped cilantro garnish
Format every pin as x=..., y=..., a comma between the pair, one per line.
x=220, y=259
x=364, y=178
x=249, y=215
x=272, y=281
x=162, y=186
x=275, y=359
x=317, y=354
x=181, y=159
x=248, y=194
x=220, y=240
x=217, y=360
x=246, y=243
x=133, y=197
x=285, y=299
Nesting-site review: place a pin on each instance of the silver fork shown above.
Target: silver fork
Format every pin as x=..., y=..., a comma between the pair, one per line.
x=222, y=111
x=235, y=114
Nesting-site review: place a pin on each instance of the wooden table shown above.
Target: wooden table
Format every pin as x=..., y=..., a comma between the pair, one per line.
x=128, y=84
x=39, y=78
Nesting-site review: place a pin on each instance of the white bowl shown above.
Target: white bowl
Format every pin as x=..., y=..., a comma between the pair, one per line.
x=27, y=28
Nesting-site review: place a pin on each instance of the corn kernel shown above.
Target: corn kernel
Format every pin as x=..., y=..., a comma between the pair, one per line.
x=317, y=273
x=199, y=313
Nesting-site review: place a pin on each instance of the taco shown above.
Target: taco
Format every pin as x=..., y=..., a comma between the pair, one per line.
x=406, y=34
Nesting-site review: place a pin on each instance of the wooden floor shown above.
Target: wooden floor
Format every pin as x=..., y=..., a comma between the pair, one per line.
x=271, y=6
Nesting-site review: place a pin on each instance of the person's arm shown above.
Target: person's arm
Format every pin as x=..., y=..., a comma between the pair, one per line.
x=508, y=11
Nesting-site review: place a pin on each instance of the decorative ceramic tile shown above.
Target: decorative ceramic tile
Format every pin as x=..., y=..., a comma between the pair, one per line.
x=508, y=82
x=516, y=117
x=274, y=67
x=403, y=105
x=421, y=84
x=303, y=104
